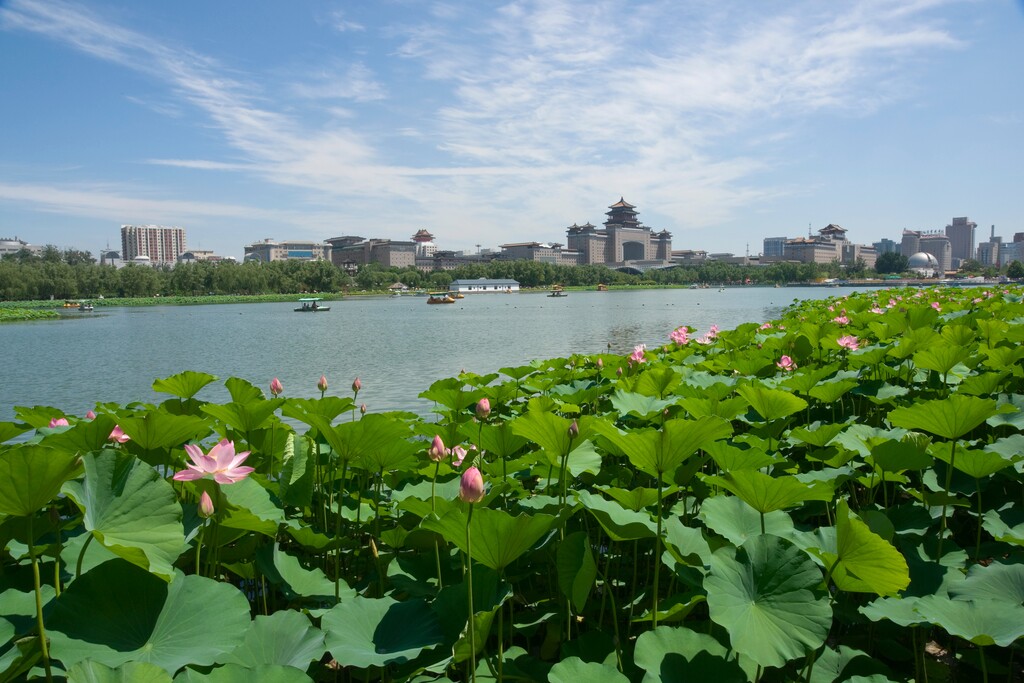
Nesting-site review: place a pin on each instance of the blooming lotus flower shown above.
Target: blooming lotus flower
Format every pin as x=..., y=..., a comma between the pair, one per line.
x=221, y=462
x=705, y=339
x=458, y=455
x=437, y=450
x=786, y=363
x=713, y=331
x=936, y=306
x=59, y=422
x=766, y=326
x=322, y=384
x=471, y=487
x=877, y=310
x=205, y=506
x=483, y=408
x=638, y=354
x=841, y=320
x=680, y=336
x=276, y=387
x=118, y=435
x=356, y=385
x=848, y=342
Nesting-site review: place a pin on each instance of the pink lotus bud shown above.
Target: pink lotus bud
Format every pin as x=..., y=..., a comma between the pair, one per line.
x=322, y=384
x=600, y=364
x=90, y=415
x=356, y=385
x=362, y=409
x=437, y=451
x=205, y=506
x=276, y=387
x=483, y=408
x=574, y=430
x=618, y=372
x=59, y=422
x=471, y=488
x=118, y=435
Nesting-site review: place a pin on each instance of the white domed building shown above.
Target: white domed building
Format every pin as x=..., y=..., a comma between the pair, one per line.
x=923, y=263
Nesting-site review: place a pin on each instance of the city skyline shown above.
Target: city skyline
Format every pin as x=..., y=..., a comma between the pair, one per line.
x=724, y=122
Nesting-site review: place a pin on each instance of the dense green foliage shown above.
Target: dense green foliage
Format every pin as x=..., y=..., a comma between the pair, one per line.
x=832, y=496
x=19, y=314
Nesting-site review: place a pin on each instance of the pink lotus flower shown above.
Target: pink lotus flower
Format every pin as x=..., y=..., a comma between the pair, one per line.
x=680, y=336
x=205, y=506
x=276, y=387
x=59, y=422
x=458, y=455
x=977, y=300
x=471, y=487
x=877, y=310
x=356, y=385
x=322, y=384
x=221, y=462
x=841, y=320
x=437, y=450
x=483, y=408
x=90, y=415
x=766, y=326
x=574, y=430
x=599, y=364
x=362, y=409
x=705, y=340
x=936, y=306
x=848, y=342
x=786, y=363
x=713, y=332
x=638, y=354
x=118, y=435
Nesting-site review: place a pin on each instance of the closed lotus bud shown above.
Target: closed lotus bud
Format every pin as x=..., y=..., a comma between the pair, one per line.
x=600, y=364
x=205, y=506
x=574, y=430
x=362, y=409
x=322, y=384
x=483, y=408
x=90, y=415
x=276, y=388
x=356, y=385
x=437, y=451
x=471, y=488
x=618, y=372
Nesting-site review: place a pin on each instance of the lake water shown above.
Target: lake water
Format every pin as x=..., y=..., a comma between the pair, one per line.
x=397, y=346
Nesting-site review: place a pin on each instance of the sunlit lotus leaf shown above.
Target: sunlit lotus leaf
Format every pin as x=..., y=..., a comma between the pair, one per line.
x=136, y=617
x=678, y=655
x=243, y=391
x=771, y=404
x=131, y=510
x=577, y=570
x=294, y=580
x=700, y=406
x=636, y=499
x=236, y=673
x=1011, y=412
x=983, y=384
x=862, y=438
x=767, y=596
x=730, y=458
x=519, y=372
x=941, y=358
x=574, y=670
x=158, y=429
x=972, y=461
x=862, y=561
x=244, y=417
x=706, y=384
x=880, y=393
x=500, y=440
x=641, y=405
x=657, y=381
x=816, y=434
x=183, y=385
x=765, y=493
x=449, y=393
x=805, y=380
x=358, y=441
x=577, y=392
x=619, y=523
x=833, y=390
x=950, y=418
x=31, y=475
x=686, y=543
x=363, y=632
x=37, y=417
x=846, y=664
x=547, y=430
x=999, y=357
x=997, y=581
x=661, y=451
x=140, y=672
x=982, y=622
x=83, y=436
x=908, y=453
x=328, y=407
x=298, y=471
x=498, y=537
x=733, y=519
x=9, y=430
x=286, y=638
x=251, y=508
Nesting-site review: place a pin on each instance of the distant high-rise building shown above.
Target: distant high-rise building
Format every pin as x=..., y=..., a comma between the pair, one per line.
x=988, y=252
x=885, y=246
x=938, y=245
x=268, y=250
x=774, y=249
x=622, y=239
x=961, y=239
x=161, y=245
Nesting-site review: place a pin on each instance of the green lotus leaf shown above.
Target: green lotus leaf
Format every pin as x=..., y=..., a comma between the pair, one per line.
x=767, y=596
x=635, y=500
x=298, y=471
x=574, y=670
x=547, y=430
x=498, y=538
x=710, y=406
x=687, y=544
x=771, y=404
x=730, y=458
x=364, y=632
x=243, y=391
x=251, y=508
x=1011, y=413
x=982, y=622
x=244, y=417
x=137, y=672
x=1006, y=526
x=678, y=655
x=500, y=440
x=950, y=418
x=183, y=385
x=131, y=510
x=642, y=405
x=619, y=523
x=1002, y=582
x=974, y=462
x=737, y=522
x=84, y=436
x=286, y=638
x=236, y=673
x=816, y=434
x=294, y=580
x=159, y=429
x=577, y=570
x=133, y=616
x=359, y=440
x=328, y=407
x=908, y=453
x=845, y=664
x=31, y=475
x=765, y=493
x=9, y=430
x=900, y=611
x=941, y=358
x=833, y=390
x=660, y=451
x=863, y=562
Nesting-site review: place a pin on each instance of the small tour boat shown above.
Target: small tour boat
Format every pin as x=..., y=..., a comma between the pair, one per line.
x=85, y=306
x=312, y=305
x=557, y=292
x=440, y=298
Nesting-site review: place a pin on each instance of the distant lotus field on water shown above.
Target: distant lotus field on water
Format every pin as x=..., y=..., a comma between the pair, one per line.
x=831, y=494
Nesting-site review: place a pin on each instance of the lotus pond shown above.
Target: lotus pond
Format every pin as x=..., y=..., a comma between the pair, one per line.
x=832, y=496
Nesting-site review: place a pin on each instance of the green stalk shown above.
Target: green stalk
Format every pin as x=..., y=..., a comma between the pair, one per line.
x=657, y=558
x=43, y=646
x=469, y=595
x=199, y=546
x=977, y=540
x=949, y=482
x=81, y=555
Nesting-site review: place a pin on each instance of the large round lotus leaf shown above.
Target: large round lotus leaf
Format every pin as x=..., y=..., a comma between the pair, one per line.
x=995, y=582
x=730, y=517
x=136, y=672
x=677, y=655
x=983, y=622
x=120, y=613
x=30, y=476
x=285, y=638
x=766, y=595
x=950, y=417
x=236, y=673
x=365, y=632
x=574, y=669
x=619, y=523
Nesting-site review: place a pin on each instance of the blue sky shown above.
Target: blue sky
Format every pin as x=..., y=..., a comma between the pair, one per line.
x=485, y=123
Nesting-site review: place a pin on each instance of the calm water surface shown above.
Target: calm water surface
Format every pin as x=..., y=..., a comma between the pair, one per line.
x=397, y=346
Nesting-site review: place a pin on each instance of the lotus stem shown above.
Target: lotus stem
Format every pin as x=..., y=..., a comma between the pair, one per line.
x=199, y=546
x=949, y=482
x=43, y=645
x=81, y=555
x=657, y=558
x=469, y=595
x=977, y=540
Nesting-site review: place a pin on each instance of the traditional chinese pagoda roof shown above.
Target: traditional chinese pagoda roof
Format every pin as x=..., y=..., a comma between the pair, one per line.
x=621, y=204
x=832, y=229
x=422, y=236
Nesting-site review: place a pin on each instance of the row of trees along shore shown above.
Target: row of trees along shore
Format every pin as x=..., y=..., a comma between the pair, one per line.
x=68, y=274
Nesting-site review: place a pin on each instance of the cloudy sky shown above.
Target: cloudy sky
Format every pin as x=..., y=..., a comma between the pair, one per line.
x=492, y=122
